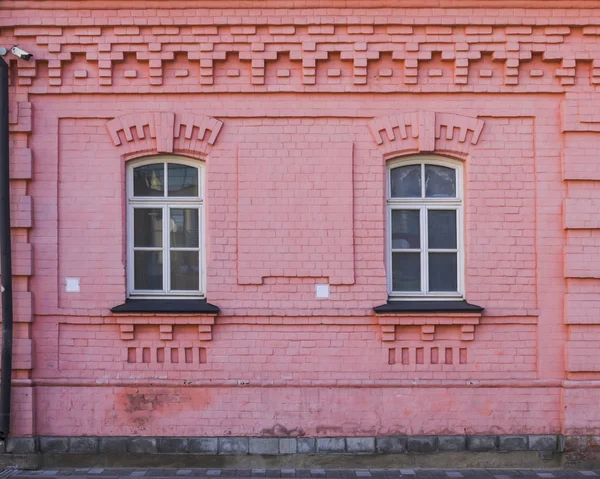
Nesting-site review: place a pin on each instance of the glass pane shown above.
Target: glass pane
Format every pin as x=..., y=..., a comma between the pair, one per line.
x=406, y=182
x=147, y=227
x=149, y=180
x=147, y=270
x=442, y=272
x=406, y=271
x=442, y=229
x=183, y=180
x=184, y=228
x=405, y=229
x=185, y=270
x=440, y=182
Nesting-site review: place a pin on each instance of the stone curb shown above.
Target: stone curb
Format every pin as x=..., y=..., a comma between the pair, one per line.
x=547, y=443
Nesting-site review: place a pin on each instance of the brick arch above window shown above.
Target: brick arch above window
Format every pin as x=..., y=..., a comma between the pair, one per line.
x=148, y=133
x=426, y=132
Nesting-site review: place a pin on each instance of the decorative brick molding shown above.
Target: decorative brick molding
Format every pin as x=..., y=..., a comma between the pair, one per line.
x=137, y=134
x=426, y=131
x=233, y=55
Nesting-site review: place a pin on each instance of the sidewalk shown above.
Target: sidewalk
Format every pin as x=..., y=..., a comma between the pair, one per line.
x=131, y=473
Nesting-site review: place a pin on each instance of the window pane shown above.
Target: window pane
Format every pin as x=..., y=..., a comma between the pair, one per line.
x=183, y=180
x=147, y=227
x=442, y=272
x=405, y=229
x=442, y=229
x=440, y=182
x=185, y=271
x=406, y=182
x=184, y=228
x=147, y=270
x=149, y=180
x=406, y=271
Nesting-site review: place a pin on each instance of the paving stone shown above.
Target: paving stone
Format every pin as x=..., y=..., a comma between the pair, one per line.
x=331, y=444
x=96, y=470
x=184, y=472
x=363, y=473
x=543, y=442
x=172, y=445
x=359, y=445
x=20, y=445
x=421, y=444
x=317, y=472
x=512, y=443
x=481, y=443
x=588, y=473
x=142, y=445
x=454, y=475
x=112, y=445
x=203, y=445
x=233, y=445
x=259, y=472
x=391, y=444
x=264, y=445
x=213, y=472
x=54, y=445
x=452, y=443
x=407, y=472
x=288, y=445
x=83, y=445
x=288, y=471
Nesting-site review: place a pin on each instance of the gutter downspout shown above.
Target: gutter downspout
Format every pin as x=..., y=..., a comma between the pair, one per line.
x=5, y=258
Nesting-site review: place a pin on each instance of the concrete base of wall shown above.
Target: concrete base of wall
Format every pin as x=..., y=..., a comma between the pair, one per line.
x=505, y=451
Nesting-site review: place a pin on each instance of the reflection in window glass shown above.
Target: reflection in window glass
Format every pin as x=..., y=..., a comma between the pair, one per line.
x=147, y=227
x=406, y=271
x=442, y=272
x=442, y=229
x=148, y=270
x=440, y=182
x=183, y=180
x=406, y=233
x=185, y=270
x=184, y=228
x=406, y=182
x=149, y=180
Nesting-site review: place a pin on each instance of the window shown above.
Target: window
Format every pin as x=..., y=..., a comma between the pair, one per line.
x=424, y=207
x=165, y=211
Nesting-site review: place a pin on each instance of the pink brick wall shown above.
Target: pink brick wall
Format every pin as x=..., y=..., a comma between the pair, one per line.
x=294, y=109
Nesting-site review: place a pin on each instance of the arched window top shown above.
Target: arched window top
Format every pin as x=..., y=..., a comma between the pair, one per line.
x=424, y=178
x=165, y=177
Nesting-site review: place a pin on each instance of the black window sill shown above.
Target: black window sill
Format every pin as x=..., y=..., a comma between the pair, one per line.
x=427, y=307
x=167, y=306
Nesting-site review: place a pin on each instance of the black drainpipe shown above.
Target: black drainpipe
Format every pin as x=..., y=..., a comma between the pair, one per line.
x=5, y=258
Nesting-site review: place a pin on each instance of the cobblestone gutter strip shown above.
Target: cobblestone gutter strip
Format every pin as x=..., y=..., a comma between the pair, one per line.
x=548, y=443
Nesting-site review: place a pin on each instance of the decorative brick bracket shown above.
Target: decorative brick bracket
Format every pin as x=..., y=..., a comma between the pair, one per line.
x=128, y=323
x=138, y=134
x=428, y=322
x=426, y=131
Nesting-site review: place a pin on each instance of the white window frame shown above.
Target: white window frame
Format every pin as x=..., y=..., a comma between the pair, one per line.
x=423, y=204
x=165, y=202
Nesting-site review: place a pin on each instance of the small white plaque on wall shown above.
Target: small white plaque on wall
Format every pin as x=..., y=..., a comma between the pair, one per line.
x=322, y=291
x=72, y=285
